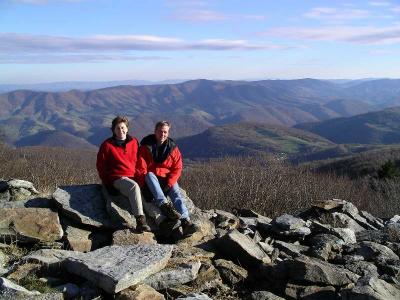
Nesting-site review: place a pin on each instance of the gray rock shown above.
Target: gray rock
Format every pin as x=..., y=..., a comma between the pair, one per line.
x=362, y=268
x=115, y=268
x=230, y=273
x=317, y=272
x=30, y=224
x=195, y=296
x=49, y=257
x=17, y=184
x=377, y=236
x=288, y=222
x=225, y=220
x=346, y=234
x=371, y=288
x=291, y=249
x=21, y=189
x=11, y=290
x=267, y=248
x=78, y=239
x=395, y=219
x=376, y=222
x=70, y=290
x=264, y=295
x=5, y=196
x=38, y=202
x=393, y=232
x=119, y=209
x=173, y=275
x=373, y=251
x=84, y=204
x=139, y=292
x=342, y=220
x=325, y=246
x=241, y=248
x=294, y=291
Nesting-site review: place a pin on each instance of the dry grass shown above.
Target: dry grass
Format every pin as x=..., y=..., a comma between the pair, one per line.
x=48, y=167
x=272, y=188
x=262, y=183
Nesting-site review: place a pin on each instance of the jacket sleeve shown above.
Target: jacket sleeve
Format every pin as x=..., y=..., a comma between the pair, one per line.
x=176, y=168
x=141, y=166
x=101, y=163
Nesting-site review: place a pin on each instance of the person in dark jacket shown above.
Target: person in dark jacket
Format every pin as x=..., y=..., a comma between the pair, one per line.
x=159, y=167
x=116, y=165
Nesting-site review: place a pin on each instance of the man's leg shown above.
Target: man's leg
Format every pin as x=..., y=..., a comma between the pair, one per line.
x=177, y=200
x=188, y=227
x=160, y=199
x=154, y=186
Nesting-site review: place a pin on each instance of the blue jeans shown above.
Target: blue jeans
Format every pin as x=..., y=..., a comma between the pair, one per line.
x=173, y=193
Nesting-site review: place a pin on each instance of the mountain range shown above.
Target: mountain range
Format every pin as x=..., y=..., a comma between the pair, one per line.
x=330, y=109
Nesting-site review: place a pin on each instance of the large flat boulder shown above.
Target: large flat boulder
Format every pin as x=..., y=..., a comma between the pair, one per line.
x=317, y=272
x=84, y=204
x=115, y=268
x=30, y=224
x=240, y=247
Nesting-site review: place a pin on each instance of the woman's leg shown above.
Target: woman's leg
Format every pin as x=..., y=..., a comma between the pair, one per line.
x=129, y=188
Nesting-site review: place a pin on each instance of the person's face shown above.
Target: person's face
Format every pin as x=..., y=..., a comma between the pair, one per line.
x=120, y=131
x=162, y=133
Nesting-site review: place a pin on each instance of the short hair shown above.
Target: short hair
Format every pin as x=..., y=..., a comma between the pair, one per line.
x=161, y=124
x=117, y=120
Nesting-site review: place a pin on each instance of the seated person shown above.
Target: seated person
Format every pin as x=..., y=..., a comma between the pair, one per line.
x=159, y=167
x=116, y=161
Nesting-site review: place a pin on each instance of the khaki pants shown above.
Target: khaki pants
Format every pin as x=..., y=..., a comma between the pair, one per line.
x=129, y=188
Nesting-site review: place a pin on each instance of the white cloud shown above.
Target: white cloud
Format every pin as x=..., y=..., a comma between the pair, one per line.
x=353, y=34
x=335, y=14
x=199, y=15
x=74, y=58
x=38, y=2
x=379, y=3
x=13, y=43
x=395, y=9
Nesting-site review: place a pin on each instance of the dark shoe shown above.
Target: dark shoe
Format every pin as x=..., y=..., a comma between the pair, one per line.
x=167, y=227
x=188, y=227
x=169, y=211
x=141, y=224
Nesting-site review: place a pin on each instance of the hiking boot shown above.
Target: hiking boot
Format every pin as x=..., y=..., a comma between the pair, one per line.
x=169, y=211
x=167, y=227
x=141, y=224
x=188, y=227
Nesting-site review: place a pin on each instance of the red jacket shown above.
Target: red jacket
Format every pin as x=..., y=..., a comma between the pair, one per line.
x=114, y=161
x=167, y=165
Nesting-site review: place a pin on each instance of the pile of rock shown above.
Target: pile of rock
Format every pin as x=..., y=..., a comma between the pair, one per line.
x=82, y=247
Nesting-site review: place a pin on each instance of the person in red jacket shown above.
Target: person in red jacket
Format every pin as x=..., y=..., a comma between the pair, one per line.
x=116, y=165
x=159, y=167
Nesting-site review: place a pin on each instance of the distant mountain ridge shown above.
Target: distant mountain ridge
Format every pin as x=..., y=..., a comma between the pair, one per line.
x=78, y=85
x=192, y=106
x=381, y=127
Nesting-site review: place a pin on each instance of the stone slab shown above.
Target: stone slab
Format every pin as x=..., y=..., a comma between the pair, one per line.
x=115, y=268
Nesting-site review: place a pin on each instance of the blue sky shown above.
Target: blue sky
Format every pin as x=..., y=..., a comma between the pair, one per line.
x=101, y=40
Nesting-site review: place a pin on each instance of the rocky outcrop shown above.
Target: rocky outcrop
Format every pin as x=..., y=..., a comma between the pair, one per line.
x=330, y=250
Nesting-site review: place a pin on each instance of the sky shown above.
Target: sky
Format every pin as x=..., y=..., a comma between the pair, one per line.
x=104, y=40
